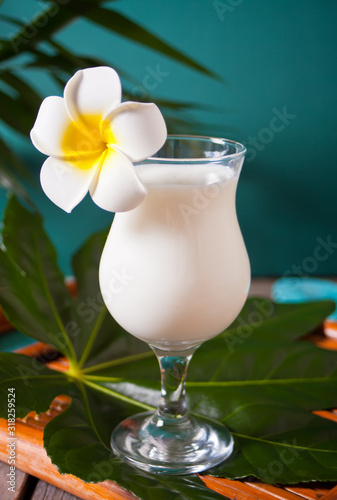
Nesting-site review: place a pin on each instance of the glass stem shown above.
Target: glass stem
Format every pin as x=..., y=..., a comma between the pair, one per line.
x=173, y=368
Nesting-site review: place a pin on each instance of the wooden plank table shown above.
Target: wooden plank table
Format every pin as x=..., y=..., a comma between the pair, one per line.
x=38, y=479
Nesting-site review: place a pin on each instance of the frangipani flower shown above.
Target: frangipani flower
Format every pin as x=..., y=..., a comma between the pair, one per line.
x=92, y=139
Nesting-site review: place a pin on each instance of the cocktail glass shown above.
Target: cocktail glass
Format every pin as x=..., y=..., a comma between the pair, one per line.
x=175, y=272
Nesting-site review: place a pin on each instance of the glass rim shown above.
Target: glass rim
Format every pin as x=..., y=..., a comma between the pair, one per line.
x=216, y=140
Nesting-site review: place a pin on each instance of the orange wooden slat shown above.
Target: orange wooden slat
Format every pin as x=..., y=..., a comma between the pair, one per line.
x=32, y=458
x=306, y=492
x=235, y=489
x=61, y=365
x=330, y=329
x=274, y=491
x=326, y=414
x=326, y=343
x=332, y=495
x=33, y=350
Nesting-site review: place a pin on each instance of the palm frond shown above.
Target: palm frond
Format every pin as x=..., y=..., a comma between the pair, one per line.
x=37, y=38
x=12, y=169
x=125, y=27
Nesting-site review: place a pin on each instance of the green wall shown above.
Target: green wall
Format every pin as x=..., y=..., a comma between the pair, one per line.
x=276, y=58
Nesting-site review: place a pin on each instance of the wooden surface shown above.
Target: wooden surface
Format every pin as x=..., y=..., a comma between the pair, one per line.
x=37, y=478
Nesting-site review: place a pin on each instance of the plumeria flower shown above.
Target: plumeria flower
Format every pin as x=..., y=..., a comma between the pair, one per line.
x=92, y=139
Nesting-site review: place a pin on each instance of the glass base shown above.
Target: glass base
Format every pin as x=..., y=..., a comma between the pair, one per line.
x=182, y=446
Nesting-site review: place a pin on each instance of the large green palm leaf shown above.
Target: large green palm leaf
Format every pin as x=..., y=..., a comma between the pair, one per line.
x=37, y=41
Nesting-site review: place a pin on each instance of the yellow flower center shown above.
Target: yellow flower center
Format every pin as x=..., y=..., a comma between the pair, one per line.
x=83, y=147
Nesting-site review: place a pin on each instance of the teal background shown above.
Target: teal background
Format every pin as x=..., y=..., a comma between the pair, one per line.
x=272, y=55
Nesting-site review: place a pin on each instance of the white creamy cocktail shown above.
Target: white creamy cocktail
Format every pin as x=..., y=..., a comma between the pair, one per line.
x=175, y=271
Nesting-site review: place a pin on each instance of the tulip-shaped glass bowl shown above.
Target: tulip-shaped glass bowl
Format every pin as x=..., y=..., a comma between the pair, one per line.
x=175, y=272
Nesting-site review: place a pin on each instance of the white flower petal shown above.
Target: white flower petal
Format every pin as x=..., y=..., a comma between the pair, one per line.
x=137, y=129
x=118, y=187
x=66, y=184
x=50, y=127
x=55, y=134
x=92, y=92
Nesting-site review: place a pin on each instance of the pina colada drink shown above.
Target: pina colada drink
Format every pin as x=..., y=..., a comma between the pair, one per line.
x=175, y=271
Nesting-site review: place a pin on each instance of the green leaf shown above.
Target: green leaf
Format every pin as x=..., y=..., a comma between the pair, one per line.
x=101, y=338
x=27, y=95
x=15, y=114
x=52, y=64
x=9, y=157
x=120, y=24
x=38, y=30
x=306, y=450
x=11, y=19
x=277, y=437
x=79, y=61
x=36, y=301
x=11, y=169
x=34, y=385
x=32, y=292
x=57, y=18
x=266, y=319
x=260, y=378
